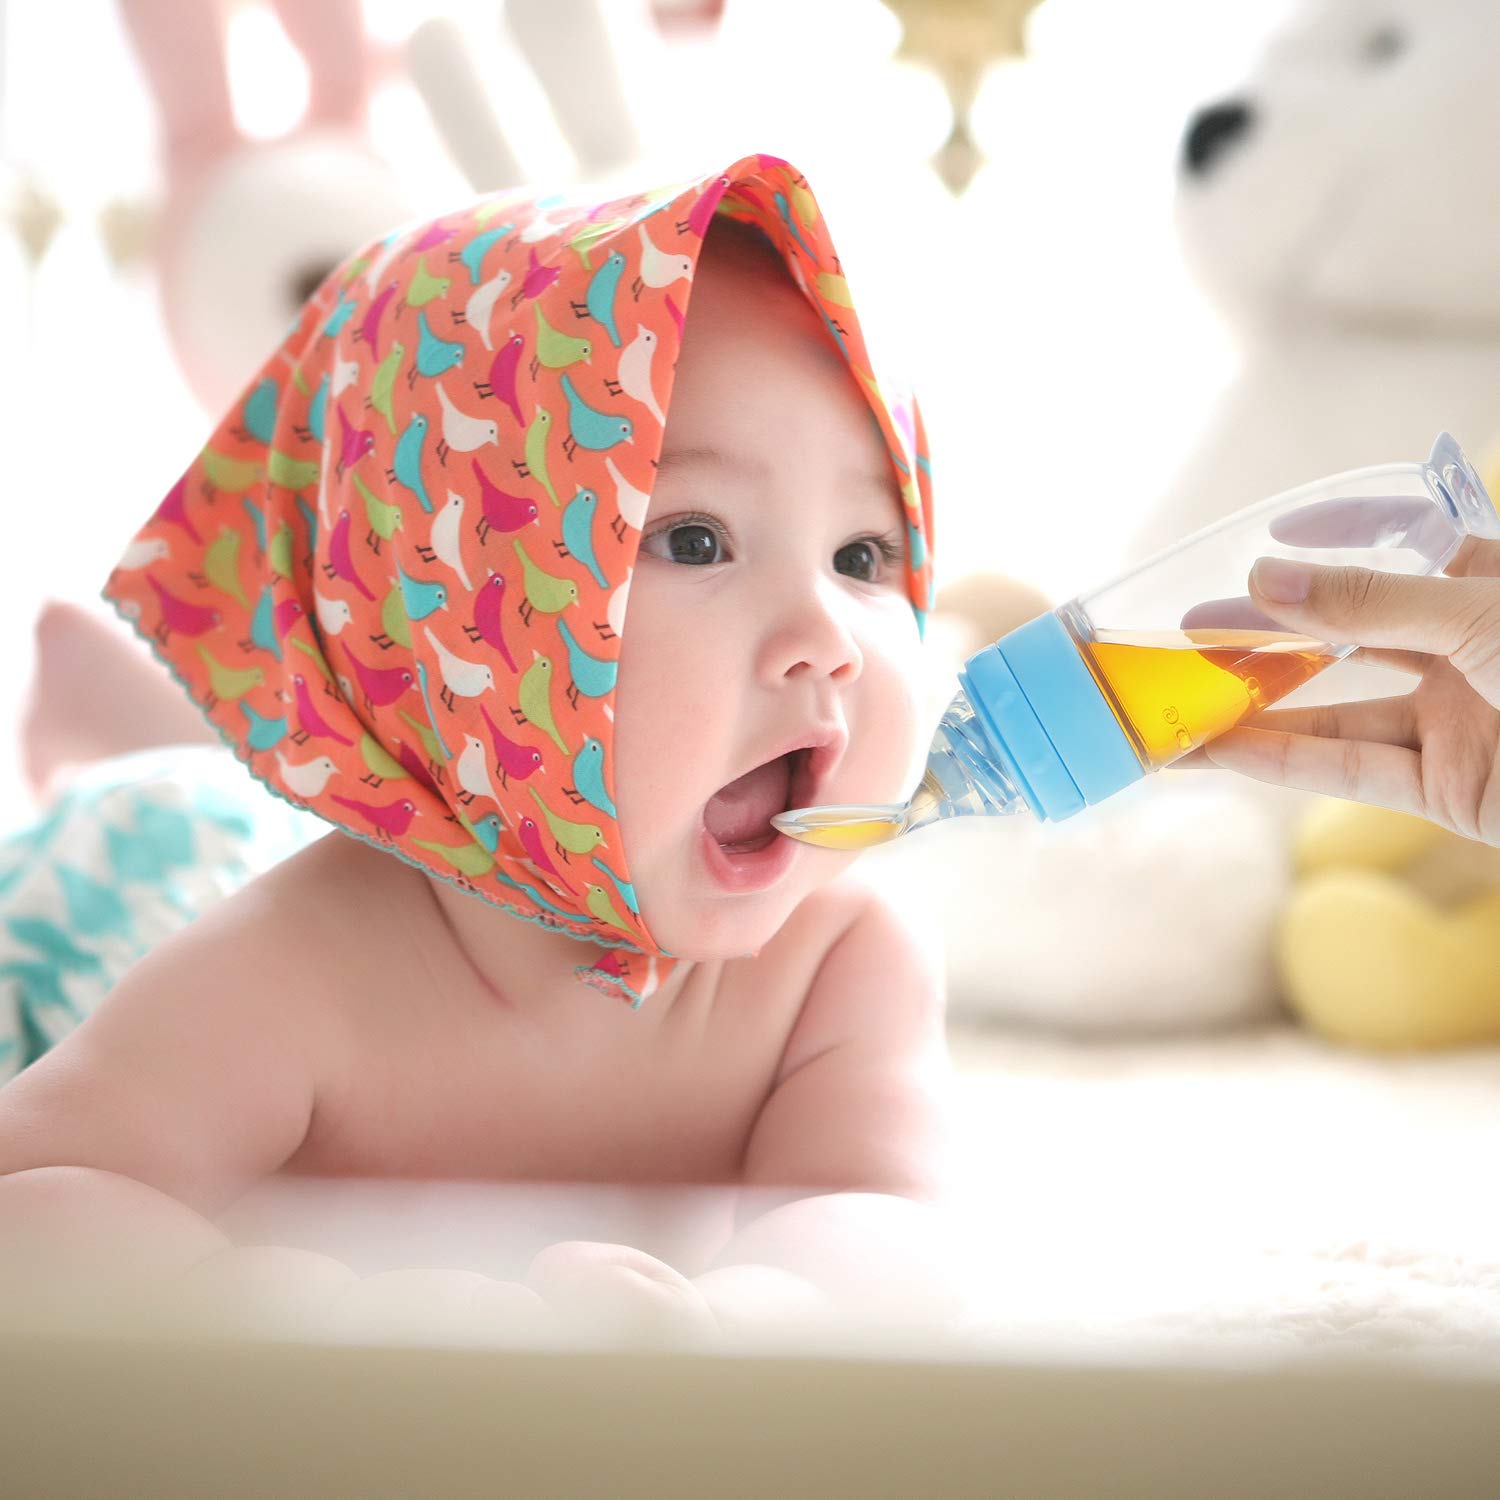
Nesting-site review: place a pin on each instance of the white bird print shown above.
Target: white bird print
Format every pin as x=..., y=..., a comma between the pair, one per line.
x=463, y=679
x=481, y=304
x=632, y=502
x=634, y=373
x=387, y=254
x=445, y=538
x=333, y=614
x=345, y=373
x=544, y=226
x=461, y=432
x=658, y=269
x=308, y=779
x=614, y=611
x=141, y=554
x=473, y=771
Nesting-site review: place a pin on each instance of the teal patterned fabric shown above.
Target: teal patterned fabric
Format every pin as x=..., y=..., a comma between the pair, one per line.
x=130, y=851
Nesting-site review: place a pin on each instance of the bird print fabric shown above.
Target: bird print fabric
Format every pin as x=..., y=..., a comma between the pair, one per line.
x=396, y=576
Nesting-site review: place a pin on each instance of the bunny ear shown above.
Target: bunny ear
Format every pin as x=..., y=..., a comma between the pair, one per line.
x=181, y=50
x=330, y=35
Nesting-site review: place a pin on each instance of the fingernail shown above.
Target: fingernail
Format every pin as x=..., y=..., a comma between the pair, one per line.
x=1285, y=582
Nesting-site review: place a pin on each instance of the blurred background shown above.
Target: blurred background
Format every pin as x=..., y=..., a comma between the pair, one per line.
x=1190, y=252
x=1104, y=354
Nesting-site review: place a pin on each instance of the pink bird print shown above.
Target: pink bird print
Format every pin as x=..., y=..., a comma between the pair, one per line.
x=487, y=626
x=311, y=721
x=177, y=614
x=174, y=509
x=499, y=511
x=537, y=279
x=434, y=235
x=513, y=759
x=342, y=565
x=390, y=821
x=369, y=328
x=531, y=838
x=413, y=763
x=702, y=213
x=285, y=615
x=354, y=442
x=382, y=685
x=502, y=378
x=678, y=316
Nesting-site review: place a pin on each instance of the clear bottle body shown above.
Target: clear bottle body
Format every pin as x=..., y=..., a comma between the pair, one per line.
x=1175, y=650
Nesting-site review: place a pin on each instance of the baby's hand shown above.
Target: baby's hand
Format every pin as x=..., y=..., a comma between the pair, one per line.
x=749, y=1299
x=620, y=1290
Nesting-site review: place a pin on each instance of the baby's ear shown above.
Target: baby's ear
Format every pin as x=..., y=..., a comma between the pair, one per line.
x=985, y=606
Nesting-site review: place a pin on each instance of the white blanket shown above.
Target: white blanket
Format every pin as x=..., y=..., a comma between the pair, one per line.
x=1210, y=1194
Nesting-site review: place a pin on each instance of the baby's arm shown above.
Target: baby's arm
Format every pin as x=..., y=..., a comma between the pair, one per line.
x=193, y=1079
x=860, y=1119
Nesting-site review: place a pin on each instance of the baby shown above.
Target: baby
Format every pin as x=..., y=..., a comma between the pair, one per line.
x=449, y=578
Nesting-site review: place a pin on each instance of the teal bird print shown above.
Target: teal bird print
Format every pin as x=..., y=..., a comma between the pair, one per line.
x=310, y=520
x=260, y=411
x=263, y=624
x=535, y=895
x=595, y=430
x=784, y=209
x=535, y=466
x=339, y=316
x=473, y=254
x=383, y=384
x=444, y=752
x=623, y=888
x=917, y=545
x=408, y=461
x=317, y=415
x=435, y=356
x=486, y=830
x=588, y=776
x=257, y=520
x=599, y=300
x=265, y=732
x=420, y=596
x=578, y=532
x=592, y=676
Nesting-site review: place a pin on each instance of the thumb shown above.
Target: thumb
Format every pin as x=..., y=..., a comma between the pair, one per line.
x=1454, y=617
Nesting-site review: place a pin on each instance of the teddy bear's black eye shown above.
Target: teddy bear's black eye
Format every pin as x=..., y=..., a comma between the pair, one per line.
x=1384, y=45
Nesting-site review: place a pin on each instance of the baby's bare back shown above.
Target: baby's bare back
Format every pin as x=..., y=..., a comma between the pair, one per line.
x=322, y=1022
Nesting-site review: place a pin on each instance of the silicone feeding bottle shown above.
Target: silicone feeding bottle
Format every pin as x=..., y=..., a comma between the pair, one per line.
x=1080, y=702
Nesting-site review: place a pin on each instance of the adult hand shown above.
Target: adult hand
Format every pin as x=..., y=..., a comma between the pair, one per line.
x=1434, y=751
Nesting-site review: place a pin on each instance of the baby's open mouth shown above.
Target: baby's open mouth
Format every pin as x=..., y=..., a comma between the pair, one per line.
x=739, y=815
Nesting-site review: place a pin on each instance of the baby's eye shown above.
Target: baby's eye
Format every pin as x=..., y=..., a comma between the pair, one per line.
x=699, y=541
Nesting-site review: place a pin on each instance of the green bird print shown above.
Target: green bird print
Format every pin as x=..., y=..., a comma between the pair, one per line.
x=395, y=623
x=425, y=287
x=554, y=349
x=384, y=516
x=597, y=899
x=534, y=690
x=383, y=384
x=430, y=743
x=576, y=838
x=233, y=475
x=279, y=553
x=311, y=651
x=221, y=566
x=471, y=859
x=229, y=683
x=545, y=591
x=536, y=453
x=380, y=764
x=291, y=473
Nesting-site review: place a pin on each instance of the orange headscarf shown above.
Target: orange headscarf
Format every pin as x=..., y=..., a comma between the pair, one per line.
x=395, y=577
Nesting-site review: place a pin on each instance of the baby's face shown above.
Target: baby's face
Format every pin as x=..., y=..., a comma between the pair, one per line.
x=759, y=607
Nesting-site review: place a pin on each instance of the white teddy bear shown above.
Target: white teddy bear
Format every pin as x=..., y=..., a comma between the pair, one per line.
x=1342, y=209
